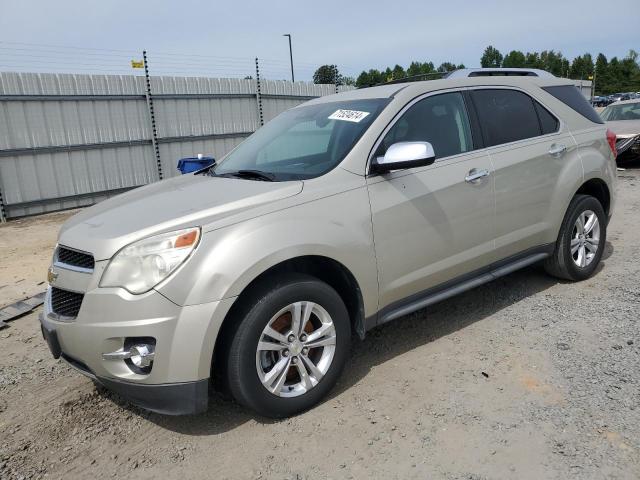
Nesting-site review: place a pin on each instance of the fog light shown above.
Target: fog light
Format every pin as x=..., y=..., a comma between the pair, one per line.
x=138, y=355
x=142, y=355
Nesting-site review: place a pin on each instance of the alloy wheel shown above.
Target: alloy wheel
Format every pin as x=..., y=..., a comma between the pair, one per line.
x=585, y=238
x=296, y=349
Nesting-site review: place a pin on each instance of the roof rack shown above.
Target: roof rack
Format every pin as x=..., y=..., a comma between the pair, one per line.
x=498, y=72
x=470, y=72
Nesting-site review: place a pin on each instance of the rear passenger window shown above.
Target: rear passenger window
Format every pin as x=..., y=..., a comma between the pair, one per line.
x=505, y=115
x=441, y=120
x=548, y=122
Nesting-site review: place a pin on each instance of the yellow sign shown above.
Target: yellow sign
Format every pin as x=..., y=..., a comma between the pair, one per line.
x=590, y=77
x=137, y=64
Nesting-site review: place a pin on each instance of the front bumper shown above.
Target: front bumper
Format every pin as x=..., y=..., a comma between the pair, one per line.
x=185, y=337
x=184, y=398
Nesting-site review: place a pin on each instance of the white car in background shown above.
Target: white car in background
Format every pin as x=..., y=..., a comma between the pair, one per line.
x=623, y=118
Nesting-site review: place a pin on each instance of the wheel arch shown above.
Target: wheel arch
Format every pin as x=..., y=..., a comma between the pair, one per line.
x=597, y=188
x=326, y=269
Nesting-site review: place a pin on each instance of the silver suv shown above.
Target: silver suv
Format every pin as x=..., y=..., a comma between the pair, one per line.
x=339, y=215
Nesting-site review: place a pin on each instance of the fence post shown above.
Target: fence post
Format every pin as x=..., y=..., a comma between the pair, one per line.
x=335, y=76
x=259, y=94
x=3, y=214
x=152, y=116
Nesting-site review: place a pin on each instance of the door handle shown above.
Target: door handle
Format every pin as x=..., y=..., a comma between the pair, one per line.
x=475, y=175
x=557, y=150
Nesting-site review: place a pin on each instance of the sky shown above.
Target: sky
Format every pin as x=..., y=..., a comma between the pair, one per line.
x=222, y=38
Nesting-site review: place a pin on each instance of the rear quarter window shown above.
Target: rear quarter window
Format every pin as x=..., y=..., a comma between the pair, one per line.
x=571, y=96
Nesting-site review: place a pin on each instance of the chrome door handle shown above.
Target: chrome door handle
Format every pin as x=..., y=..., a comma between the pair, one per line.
x=475, y=175
x=557, y=150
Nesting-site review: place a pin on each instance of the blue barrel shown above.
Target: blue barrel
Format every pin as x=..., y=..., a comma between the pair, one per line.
x=191, y=164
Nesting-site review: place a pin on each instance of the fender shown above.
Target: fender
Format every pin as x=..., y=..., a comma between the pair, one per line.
x=228, y=259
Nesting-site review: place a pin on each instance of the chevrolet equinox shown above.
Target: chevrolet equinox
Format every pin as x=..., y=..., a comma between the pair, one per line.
x=339, y=215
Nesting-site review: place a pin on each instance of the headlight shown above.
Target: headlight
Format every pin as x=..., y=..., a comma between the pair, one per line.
x=140, y=266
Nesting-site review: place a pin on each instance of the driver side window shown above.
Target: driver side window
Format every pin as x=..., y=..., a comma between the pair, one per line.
x=441, y=120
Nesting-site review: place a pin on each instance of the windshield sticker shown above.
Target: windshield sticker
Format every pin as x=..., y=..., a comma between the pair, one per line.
x=348, y=115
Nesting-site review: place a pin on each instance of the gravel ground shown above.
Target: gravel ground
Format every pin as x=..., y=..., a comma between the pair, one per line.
x=524, y=378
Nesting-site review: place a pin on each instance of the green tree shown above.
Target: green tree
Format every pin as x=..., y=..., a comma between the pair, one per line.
x=491, y=58
x=420, y=68
x=514, y=59
x=348, y=81
x=447, y=67
x=554, y=62
x=370, y=78
x=398, y=72
x=532, y=60
x=581, y=67
x=328, y=74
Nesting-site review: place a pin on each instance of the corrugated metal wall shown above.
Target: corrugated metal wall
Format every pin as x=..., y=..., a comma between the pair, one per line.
x=70, y=140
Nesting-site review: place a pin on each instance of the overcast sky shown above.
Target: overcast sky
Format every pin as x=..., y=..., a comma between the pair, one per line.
x=355, y=35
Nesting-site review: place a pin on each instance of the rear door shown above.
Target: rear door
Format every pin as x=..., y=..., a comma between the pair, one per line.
x=527, y=145
x=432, y=224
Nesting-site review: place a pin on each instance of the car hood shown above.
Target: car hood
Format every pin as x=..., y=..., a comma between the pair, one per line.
x=624, y=128
x=172, y=204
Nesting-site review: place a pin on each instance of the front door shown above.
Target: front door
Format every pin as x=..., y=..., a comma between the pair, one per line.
x=436, y=223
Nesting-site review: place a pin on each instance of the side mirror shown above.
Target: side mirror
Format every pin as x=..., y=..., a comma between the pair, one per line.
x=403, y=155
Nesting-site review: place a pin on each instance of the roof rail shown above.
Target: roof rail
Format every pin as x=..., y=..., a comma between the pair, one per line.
x=470, y=72
x=498, y=72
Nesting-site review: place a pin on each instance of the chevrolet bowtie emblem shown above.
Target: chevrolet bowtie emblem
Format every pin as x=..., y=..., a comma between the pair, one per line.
x=51, y=275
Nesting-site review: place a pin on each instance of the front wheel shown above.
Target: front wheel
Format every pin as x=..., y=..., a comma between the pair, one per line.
x=290, y=347
x=581, y=240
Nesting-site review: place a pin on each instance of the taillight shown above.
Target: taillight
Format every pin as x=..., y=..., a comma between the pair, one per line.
x=611, y=140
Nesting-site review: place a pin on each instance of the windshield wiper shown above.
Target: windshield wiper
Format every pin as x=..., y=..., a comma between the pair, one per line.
x=254, y=174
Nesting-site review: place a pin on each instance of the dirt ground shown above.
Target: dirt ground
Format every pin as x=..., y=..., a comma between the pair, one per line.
x=523, y=378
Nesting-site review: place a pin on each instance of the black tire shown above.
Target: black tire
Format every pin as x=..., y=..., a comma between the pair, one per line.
x=242, y=376
x=561, y=264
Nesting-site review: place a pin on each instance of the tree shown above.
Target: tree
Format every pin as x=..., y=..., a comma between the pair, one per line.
x=602, y=75
x=554, y=62
x=491, y=58
x=514, y=59
x=370, y=78
x=328, y=74
x=447, y=67
x=398, y=72
x=348, y=81
x=532, y=60
x=581, y=67
x=420, y=68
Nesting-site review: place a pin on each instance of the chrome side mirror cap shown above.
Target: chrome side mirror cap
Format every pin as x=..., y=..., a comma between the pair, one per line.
x=404, y=155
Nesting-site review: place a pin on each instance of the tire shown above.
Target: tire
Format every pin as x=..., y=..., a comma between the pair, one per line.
x=290, y=393
x=563, y=263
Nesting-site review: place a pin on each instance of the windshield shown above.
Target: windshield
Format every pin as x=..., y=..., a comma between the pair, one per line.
x=303, y=142
x=626, y=111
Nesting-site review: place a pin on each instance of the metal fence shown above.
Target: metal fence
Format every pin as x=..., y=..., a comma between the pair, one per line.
x=70, y=140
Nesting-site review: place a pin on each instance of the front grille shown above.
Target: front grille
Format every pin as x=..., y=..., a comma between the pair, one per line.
x=75, y=258
x=65, y=303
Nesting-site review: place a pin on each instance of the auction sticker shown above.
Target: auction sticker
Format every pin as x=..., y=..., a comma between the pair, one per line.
x=348, y=115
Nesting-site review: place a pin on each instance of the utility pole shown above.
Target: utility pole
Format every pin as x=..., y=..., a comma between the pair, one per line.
x=290, y=55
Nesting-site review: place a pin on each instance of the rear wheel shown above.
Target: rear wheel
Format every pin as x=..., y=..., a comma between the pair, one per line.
x=290, y=347
x=581, y=240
